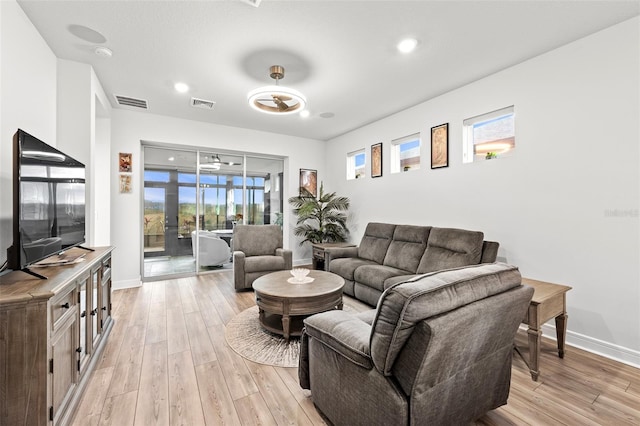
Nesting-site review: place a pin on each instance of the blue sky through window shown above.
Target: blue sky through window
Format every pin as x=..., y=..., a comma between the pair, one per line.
x=154, y=195
x=359, y=160
x=154, y=176
x=187, y=194
x=409, y=145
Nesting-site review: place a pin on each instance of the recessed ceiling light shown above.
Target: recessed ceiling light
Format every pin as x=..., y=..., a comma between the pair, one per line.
x=171, y=158
x=181, y=87
x=304, y=113
x=407, y=45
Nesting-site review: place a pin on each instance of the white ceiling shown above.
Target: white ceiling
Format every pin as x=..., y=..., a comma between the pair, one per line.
x=340, y=54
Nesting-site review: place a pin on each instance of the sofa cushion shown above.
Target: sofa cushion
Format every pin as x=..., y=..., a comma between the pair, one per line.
x=451, y=248
x=407, y=247
x=367, y=316
x=402, y=306
x=397, y=279
x=375, y=241
x=374, y=276
x=346, y=266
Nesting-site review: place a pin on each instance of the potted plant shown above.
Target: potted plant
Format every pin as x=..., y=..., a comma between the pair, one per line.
x=321, y=219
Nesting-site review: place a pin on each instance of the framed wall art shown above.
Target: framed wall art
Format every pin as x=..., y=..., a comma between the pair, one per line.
x=125, y=184
x=124, y=162
x=376, y=160
x=309, y=181
x=440, y=146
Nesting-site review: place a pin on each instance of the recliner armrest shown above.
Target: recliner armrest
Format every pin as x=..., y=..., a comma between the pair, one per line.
x=238, y=270
x=344, y=333
x=288, y=257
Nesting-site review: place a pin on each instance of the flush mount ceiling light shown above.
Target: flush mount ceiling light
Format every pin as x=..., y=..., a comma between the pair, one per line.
x=275, y=99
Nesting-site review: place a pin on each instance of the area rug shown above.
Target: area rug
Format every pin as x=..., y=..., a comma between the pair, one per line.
x=249, y=340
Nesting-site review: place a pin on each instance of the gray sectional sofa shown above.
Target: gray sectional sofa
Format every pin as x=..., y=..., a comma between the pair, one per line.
x=389, y=254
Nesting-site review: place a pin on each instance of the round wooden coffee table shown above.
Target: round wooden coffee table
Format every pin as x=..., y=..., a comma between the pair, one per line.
x=283, y=305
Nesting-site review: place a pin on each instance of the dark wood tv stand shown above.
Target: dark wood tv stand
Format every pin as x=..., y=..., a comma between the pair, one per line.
x=52, y=333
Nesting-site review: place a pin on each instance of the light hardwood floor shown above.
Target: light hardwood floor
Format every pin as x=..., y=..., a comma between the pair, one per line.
x=167, y=363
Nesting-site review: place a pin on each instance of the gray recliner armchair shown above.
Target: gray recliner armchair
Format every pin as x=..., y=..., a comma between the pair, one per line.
x=437, y=350
x=257, y=250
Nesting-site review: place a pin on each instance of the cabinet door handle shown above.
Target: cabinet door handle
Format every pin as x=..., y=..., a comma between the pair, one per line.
x=93, y=312
x=258, y=299
x=83, y=314
x=65, y=305
x=79, y=350
x=104, y=308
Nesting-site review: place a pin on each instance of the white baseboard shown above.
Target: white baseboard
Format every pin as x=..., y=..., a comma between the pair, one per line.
x=599, y=347
x=119, y=285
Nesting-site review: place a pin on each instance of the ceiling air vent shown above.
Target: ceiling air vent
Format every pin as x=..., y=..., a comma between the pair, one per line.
x=131, y=102
x=202, y=103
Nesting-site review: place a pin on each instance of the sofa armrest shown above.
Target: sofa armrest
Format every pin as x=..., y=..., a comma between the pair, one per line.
x=288, y=257
x=238, y=270
x=489, y=251
x=331, y=253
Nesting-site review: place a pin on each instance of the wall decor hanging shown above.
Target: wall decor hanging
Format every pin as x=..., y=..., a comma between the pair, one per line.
x=440, y=146
x=376, y=160
x=309, y=181
x=125, y=184
x=124, y=162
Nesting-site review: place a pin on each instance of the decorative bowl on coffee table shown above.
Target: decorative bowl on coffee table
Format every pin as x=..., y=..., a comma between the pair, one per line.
x=300, y=276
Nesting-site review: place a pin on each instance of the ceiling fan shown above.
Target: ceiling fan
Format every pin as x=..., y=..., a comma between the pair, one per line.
x=279, y=100
x=276, y=99
x=214, y=162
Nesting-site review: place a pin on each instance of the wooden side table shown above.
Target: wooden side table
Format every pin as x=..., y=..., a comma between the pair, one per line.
x=549, y=301
x=318, y=253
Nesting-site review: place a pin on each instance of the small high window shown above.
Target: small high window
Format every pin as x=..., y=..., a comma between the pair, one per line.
x=489, y=135
x=405, y=153
x=355, y=164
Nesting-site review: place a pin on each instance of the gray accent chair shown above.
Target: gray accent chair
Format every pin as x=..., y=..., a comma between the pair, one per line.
x=257, y=250
x=437, y=350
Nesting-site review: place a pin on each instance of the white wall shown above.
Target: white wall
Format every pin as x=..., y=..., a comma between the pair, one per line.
x=552, y=205
x=129, y=128
x=102, y=213
x=80, y=100
x=27, y=99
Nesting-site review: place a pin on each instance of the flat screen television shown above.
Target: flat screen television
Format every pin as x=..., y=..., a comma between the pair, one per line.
x=48, y=202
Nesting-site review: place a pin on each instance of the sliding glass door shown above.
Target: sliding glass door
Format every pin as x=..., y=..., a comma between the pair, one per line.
x=193, y=198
